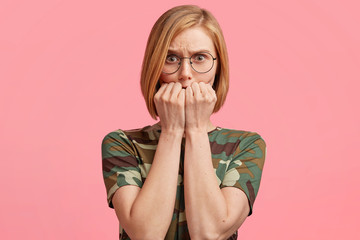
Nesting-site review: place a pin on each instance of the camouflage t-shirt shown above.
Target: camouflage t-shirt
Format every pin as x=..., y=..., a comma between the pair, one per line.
x=237, y=156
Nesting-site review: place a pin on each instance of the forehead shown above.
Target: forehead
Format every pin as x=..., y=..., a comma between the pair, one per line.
x=192, y=40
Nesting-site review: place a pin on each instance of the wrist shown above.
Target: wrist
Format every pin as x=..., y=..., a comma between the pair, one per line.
x=172, y=132
x=195, y=130
x=171, y=129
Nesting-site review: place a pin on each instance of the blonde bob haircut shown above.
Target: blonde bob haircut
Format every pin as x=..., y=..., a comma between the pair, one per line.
x=168, y=26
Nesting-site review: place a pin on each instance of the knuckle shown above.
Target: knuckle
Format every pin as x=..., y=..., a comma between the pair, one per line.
x=178, y=104
x=163, y=99
x=172, y=100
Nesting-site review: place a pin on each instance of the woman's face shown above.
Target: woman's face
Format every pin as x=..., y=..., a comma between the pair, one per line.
x=186, y=44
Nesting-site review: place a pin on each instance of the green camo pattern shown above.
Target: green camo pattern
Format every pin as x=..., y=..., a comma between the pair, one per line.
x=238, y=159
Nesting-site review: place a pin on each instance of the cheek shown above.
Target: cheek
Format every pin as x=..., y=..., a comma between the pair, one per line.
x=210, y=78
x=165, y=78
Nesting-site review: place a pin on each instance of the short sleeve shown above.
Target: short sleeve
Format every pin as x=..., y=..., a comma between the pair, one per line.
x=245, y=169
x=119, y=163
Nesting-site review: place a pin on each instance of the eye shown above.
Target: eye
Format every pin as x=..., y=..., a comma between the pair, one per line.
x=172, y=59
x=200, y=57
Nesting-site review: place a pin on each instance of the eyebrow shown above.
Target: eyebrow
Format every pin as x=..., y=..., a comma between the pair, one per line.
x=190, y=51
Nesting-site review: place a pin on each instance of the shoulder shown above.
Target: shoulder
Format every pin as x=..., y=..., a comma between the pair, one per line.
x=126, y=137
x=243, y=137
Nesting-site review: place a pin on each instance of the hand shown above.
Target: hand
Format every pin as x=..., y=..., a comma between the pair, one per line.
x=170, y=106
x=200, y=99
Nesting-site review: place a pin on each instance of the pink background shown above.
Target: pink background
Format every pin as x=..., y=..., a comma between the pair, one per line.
x=69, y=74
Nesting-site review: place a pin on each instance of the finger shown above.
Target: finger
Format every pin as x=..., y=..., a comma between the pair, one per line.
x=203, y=88
x=188, y=94
x=158, y=95
x=195, y=89
x=181, y=95
x=162, y=88
x=168, y=89
x=210, y=90
x=175, y=89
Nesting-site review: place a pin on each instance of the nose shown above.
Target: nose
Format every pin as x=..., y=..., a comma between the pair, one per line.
x=185, y=71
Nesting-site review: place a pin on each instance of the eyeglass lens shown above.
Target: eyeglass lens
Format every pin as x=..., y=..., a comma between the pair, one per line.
x=200, y=62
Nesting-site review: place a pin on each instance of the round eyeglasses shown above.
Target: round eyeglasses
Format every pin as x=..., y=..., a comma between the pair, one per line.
x=201, y=62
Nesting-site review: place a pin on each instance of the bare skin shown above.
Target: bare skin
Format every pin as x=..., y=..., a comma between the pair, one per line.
x=184, y=102
x=146, y=213
x=203, y=197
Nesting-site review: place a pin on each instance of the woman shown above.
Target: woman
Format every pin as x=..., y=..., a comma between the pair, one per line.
x=201, y=180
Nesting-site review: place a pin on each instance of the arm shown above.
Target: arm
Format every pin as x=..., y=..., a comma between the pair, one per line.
x=146, y=213
x=211, y=213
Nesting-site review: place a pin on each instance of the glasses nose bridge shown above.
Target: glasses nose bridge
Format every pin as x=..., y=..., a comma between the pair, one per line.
x=181, y=64
x=181, y=60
